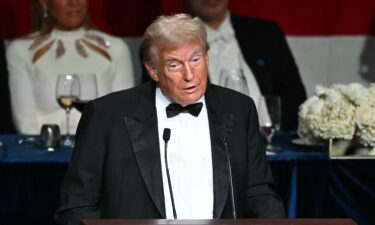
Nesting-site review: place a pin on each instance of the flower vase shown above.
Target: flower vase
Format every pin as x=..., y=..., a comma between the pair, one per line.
x=353, y=147
x=338, y=147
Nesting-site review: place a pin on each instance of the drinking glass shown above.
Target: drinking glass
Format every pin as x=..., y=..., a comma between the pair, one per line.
x=67, y=91
x=234, y=79
x=269, y=110
x=89, y=90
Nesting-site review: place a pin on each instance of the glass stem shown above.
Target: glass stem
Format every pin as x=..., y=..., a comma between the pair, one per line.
x=270, y=136
x=67, y=122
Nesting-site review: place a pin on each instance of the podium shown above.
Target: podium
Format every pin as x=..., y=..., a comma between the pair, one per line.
x=220, y=222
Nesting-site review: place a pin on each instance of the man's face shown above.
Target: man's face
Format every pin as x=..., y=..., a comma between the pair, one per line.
x=207, y=10
x=181, y=72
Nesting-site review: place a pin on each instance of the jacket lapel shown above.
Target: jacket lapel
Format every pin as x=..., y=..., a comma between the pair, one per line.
x=144, y=137
x=252, y=52
x=221, y=123
x=142, y=125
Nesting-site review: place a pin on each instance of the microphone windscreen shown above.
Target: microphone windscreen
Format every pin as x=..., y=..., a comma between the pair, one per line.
x=166, y=134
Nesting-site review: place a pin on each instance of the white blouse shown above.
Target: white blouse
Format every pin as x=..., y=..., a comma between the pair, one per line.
x=34, y=64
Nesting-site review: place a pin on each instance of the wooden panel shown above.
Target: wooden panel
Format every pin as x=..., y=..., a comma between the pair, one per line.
x=224, y=222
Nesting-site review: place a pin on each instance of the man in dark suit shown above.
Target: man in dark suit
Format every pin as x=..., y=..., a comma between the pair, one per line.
x=119, y=163
x=263, y=48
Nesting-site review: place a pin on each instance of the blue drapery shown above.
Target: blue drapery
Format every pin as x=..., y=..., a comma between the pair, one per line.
x=311, y=184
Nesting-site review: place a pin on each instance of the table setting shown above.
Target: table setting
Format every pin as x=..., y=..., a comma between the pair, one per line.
x=75, y=90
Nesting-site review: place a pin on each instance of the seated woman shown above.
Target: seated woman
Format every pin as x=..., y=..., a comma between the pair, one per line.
x=62, y=41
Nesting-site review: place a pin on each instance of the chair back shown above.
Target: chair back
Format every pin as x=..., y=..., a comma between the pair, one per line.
x=6, y=122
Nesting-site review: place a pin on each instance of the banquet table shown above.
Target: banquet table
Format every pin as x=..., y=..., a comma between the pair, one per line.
x=310, y=183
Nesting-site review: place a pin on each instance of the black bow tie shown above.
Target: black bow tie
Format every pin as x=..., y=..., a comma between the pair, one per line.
x=174, y=109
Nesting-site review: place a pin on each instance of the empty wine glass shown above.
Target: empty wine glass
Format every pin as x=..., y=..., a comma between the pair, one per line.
x=234, y=79
x=269, y=110
x=89, y=90
x=67, y=91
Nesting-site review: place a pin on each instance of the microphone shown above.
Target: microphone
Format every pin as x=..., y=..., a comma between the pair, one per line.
x=166, y=137
x=224, y=134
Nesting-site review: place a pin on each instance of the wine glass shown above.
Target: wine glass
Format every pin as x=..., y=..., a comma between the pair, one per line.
x=234, y=79
x=269, y=110
x=89, y=90
x=67, y=91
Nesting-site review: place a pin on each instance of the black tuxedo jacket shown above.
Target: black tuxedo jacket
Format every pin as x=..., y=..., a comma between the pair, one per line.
x=266, y=52
x=115, y=170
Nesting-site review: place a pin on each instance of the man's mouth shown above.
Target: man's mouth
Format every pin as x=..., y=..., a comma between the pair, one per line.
x=190, y=89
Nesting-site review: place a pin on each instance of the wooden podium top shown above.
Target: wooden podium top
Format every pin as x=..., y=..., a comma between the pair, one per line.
x=221, y=222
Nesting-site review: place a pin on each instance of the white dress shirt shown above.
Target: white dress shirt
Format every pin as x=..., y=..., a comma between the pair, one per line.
x=225, y=53
x=189, y=160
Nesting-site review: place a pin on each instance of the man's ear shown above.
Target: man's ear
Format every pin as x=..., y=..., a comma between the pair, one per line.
x=206, y=58
x=152, y=71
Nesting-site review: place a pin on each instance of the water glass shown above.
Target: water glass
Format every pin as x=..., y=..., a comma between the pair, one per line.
x=234, y=79
x=50, y=136
x=269, y=112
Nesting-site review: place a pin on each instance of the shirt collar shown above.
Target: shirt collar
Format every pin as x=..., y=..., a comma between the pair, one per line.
x=68, y=33
x=224, y=32
x=163, y=101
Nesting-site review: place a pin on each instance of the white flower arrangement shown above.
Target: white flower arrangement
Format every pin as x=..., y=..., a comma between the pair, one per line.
x=339, y=112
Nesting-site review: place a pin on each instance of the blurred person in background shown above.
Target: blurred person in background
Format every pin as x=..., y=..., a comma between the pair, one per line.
x=6, y=125
x=63, y=40
x=256, y=46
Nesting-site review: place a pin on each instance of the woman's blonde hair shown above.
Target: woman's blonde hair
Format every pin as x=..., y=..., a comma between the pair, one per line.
x=43, y=25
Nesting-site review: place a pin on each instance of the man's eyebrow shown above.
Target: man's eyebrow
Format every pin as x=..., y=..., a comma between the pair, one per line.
x=170, y=59
x=197, y=51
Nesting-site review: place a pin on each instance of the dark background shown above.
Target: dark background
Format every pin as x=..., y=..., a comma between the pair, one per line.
x=129, y=17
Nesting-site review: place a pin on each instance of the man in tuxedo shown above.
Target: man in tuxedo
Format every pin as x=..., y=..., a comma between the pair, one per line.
x=119, y=163
x=256, y=46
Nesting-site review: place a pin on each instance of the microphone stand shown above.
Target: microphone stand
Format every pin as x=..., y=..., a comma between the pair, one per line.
x=231, y=178
x=166, y=137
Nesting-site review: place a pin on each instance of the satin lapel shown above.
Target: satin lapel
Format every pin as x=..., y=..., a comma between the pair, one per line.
x=142, y=127
x=220, y=121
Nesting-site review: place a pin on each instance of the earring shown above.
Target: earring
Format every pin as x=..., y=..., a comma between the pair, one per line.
x=45, y=15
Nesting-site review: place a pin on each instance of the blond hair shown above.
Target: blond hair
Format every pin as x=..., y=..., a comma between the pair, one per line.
x=44, y=26
x=168, y=32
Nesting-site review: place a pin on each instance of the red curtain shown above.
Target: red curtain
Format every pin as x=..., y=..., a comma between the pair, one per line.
x=131, y=17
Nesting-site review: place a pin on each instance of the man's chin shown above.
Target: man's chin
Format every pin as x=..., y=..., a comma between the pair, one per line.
x=186, y=102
